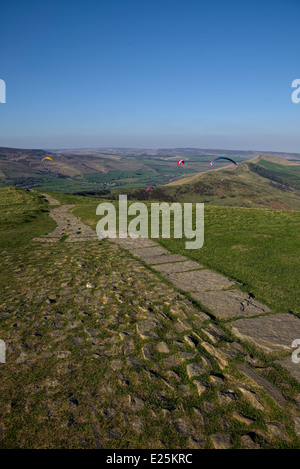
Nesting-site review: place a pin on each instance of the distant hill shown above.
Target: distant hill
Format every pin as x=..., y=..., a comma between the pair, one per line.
x=102, y=169
x=174, y=152
x=81, y=170
x=263, y=181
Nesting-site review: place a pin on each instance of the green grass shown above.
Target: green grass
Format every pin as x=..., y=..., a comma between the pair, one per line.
x=23, y=215
x=249, y=185
x=257, y=247
x=133, y=174
x=279, y=168
x=110, y=180
x=287, y=175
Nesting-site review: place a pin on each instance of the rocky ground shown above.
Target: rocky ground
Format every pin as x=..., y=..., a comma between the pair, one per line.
x=108, y=347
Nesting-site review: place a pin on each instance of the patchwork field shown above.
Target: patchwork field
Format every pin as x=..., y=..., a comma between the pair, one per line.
x=97, y=170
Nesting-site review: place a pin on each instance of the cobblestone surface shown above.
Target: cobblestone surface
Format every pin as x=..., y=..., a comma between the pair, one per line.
x=102, y=353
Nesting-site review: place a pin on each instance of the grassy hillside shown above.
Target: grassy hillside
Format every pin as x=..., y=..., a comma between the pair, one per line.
x=23, y=215
x=257, y=247
x=255, y=183
x=88, y=170
x=91, y=170
x=69, y=382
x=285, y=175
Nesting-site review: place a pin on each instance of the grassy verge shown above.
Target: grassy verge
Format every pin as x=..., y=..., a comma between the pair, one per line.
x=257, y=247
x=23, y=215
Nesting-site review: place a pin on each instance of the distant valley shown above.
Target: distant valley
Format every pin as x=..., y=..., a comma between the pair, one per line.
x=271, y=180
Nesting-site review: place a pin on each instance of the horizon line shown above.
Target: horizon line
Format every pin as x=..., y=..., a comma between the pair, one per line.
x=151, y=148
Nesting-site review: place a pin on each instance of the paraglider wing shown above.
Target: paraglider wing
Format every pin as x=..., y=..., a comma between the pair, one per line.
x=48, y=158
x=150, y=187
x=222, y=158
x=180, y=162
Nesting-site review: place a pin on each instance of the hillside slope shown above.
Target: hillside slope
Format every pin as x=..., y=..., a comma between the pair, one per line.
x=106, y=169
x=83, y=170
x=259, y=182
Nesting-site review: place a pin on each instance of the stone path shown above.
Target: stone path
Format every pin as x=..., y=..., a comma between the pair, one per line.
x=266, y=330
x=103, y=353
x=68, y=225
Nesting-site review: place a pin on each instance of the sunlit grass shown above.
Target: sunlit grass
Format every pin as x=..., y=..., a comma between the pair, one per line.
x=257, y=247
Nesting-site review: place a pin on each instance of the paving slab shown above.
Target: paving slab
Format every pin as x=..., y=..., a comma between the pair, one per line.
x=73, y=239
x=147, y=252
x=264, y=383
x=231, y=303
x=178, y=267
x=199, y=280
x=293, y=368
x=134, y=242
x=67, y=225
x=270, y=333
x=163, y=259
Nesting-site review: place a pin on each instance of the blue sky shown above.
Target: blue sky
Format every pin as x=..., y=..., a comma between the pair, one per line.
x=150, y=74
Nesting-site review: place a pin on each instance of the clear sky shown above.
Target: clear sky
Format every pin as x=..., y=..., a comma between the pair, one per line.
x=150, y=73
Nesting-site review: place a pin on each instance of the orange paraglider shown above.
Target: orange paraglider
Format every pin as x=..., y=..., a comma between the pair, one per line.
x=48, y=158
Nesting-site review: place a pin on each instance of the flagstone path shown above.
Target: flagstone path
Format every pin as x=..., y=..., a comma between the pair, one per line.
x=108, y=346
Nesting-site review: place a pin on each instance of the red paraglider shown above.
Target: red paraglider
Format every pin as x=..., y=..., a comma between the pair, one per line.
x=180, y=162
